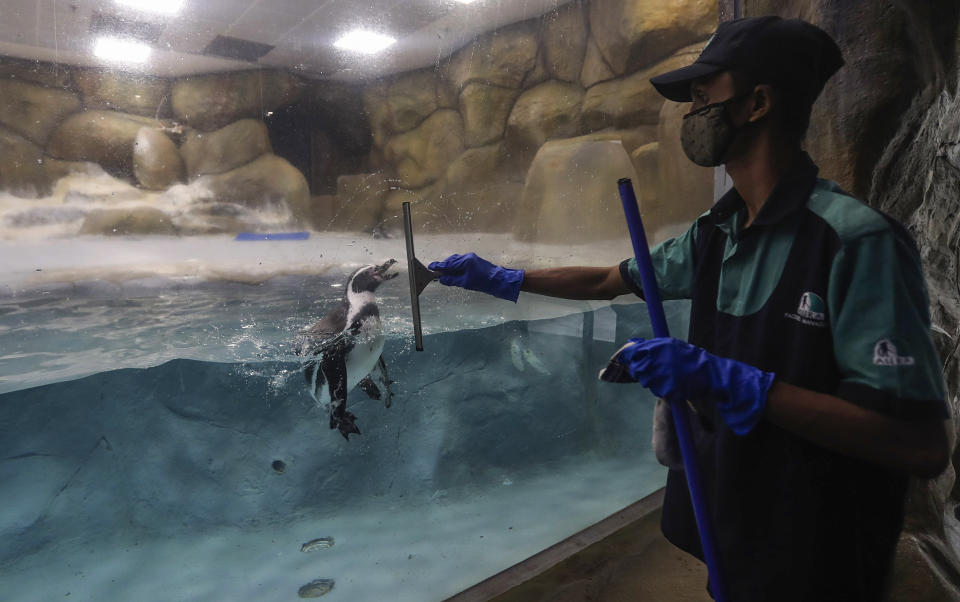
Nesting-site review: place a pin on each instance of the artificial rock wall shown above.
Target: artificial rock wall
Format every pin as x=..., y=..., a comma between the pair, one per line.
x=513, y=132
x=159, y=133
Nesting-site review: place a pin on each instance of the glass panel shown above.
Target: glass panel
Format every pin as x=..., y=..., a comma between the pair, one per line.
x=188, y=186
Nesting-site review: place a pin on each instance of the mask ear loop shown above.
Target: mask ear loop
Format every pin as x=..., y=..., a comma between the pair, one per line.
x=722, y=103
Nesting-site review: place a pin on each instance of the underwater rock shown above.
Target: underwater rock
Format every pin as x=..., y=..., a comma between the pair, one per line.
x=156, y=160
x=485, y=109
x=595, y=68
x=209, y=102
x=422, y=155
x=565, y=41
x=103, y=137
x=21, y=166
x=136, y=220
x=34, y=111
x=130, y=93
x=38, y=72
x=502, y=58
x=269, y=182
x=571, y=197
x=228, y=148
x=550, y=110
x=316, y=588
x=632, y=100
x=633, y=35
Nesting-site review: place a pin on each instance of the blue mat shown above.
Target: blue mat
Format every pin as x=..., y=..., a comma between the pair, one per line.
x=273, y=236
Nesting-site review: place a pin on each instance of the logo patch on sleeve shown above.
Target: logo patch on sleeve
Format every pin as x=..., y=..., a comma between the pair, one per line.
x=811, y=311
x=885, y=354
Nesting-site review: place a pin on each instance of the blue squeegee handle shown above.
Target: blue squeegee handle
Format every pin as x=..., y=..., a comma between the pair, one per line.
x=651, y=292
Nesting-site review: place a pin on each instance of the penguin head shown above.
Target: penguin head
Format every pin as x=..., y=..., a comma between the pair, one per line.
x=368, y=278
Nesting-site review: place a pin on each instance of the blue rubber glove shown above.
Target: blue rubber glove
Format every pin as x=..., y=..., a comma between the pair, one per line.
x=676, y=370
x=478, y=274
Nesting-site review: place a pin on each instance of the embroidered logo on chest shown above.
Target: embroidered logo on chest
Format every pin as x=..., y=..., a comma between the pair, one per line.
x=885, y=354
x=811, y=311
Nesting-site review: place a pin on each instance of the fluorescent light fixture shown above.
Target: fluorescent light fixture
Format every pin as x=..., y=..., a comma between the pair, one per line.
x=466, y=1
x=166, y=7
x=120, y=50
x=366, y=42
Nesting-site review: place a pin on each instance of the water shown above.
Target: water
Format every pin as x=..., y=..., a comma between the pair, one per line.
x=146, y=409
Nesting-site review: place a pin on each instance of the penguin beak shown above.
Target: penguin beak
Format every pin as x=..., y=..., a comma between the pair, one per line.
x=381, y=270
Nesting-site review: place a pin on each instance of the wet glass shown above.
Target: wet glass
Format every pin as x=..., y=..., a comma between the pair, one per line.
x=187, y=187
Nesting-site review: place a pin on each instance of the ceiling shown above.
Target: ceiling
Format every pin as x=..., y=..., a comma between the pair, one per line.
x=301, y=32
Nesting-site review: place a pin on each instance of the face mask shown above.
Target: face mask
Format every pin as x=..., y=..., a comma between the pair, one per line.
x=708, y=132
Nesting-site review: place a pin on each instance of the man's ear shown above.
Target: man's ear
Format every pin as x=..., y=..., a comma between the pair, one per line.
x=763, y=101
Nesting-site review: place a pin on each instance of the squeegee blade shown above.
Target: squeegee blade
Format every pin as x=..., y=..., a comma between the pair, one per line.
x=414, y=271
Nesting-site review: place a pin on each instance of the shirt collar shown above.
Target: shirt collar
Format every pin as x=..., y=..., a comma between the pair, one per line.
x=789, y=195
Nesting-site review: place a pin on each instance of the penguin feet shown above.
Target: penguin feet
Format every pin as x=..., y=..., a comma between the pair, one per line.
x=345, y=423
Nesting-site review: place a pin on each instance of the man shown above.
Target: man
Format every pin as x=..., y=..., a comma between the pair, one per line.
x=815, y=386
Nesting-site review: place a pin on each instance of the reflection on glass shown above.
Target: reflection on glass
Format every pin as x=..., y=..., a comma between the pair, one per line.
x=185, y=187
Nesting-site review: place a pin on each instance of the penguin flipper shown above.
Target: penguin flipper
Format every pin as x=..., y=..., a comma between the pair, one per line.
x=333, y=364
x=382, y=366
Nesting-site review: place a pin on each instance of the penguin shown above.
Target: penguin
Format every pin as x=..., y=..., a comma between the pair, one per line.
x=344, y=349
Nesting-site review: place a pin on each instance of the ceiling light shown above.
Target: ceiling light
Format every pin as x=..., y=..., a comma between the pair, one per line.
x=366, y=42
x=166, y=7
x=120, y=50
x=466, y=1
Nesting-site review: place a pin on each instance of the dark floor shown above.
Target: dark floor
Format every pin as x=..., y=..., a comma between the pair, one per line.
x=633, y=564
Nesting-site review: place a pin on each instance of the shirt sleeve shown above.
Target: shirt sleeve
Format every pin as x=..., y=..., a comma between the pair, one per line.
x=880, y=318
x=673, y=263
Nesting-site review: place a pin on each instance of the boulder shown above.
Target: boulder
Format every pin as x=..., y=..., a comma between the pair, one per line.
x=570, y=195
x=538, y=74
x=126, y=221
x=51, y=75
x=209, y=102
x=550, y=110
x=647, y=165
x=358, y=205
x=422, y=155
x=156, y=161
x=104, y=137
x=502, y=58
x=228, y=148
x=34, y=111
x=685, y=190
x=633, y=35
x=56, y=168
x=565, y=41
x=485, y=109
x=479, y=193
x=433, y=215
x=137, y=94
x=595, y=68
x=265, y=183
x=411, y=98
x=21, y=166
x=632, y=100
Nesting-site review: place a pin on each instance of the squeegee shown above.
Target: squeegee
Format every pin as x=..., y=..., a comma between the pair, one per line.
x=420, y=276
x=648, y=279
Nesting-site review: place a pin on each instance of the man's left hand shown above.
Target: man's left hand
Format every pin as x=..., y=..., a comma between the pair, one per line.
x=676, y=370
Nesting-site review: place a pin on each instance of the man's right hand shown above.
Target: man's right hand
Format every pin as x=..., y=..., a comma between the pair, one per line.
x=477, y=274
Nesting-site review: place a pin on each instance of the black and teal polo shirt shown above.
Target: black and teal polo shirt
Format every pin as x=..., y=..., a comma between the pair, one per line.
x=829, y=295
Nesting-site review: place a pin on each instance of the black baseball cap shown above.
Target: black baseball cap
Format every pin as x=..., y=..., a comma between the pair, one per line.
x=788, y=53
